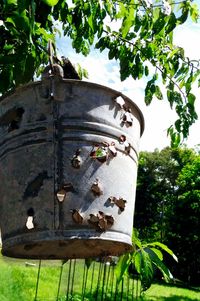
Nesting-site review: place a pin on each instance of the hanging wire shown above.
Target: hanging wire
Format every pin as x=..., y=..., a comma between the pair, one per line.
x=133, y=289
x=99, y=279
x=104, y=285
x=85, y=277
x=116, y=290
x=73, y=276
x=127, y=285
x=83, y=282
x=68, y=280
x=108, y=278
x=60, y=278
x=112, y=281
x=137, y=287
x=103, y=281
x=93, y=269
x=37, y=283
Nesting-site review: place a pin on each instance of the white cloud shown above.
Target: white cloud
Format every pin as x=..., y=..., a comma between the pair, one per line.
x=187, y=37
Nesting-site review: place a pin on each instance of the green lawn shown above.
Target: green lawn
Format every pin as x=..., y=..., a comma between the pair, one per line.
x=18, y=282
x=171, y=293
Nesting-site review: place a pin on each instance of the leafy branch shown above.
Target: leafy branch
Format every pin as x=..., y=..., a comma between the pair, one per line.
x=144, y=260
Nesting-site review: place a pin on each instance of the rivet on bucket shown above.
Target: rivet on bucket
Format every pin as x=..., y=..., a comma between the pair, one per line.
x=96, y=188
x=76, y=160
x=76, y=216
x=119, y=202
x=61, y=193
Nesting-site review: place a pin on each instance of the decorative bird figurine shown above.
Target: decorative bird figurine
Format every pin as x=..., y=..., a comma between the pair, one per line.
x=60, y=67
x=68, y=69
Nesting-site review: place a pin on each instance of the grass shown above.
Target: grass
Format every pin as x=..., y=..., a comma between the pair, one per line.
x=18, y=282
x=171, y=293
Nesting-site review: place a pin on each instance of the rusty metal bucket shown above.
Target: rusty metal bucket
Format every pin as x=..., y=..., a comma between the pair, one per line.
x=68, y=168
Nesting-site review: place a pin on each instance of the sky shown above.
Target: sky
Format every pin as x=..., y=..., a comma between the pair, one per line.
x=158, y=116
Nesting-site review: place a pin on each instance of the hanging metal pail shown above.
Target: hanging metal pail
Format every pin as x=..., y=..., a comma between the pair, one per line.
x=68, y=168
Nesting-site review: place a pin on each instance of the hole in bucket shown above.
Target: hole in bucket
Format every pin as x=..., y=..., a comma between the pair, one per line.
x=30, y=212
x=12, y=119
x=29, y=221
x=33, y=188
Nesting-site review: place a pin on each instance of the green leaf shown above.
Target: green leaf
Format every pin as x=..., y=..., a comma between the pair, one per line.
x=158, y=93
x=20, y=21
x=50, y=2
x=150, y=90
x=171, y=23
x=122, y=266
x=191, y=98
x=173, y=140
x=178, y=125
x=159, y=23
x=146, y=71
x=137, y=262
x=91, y=22
x=12, y=2
x=184, y=16
x=10, y=20
x=194, y=12
x=23, y=4
x=148, y=95
x=158, y=253
x=136, y=241
x=29, y=68
x=158, y=263
x=144, y=267
x=163, y=247
x=113, y=53
x=127, y=22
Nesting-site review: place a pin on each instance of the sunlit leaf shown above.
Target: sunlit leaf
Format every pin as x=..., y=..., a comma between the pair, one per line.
x=50, y=2
x=122, y=266
x=164, y=248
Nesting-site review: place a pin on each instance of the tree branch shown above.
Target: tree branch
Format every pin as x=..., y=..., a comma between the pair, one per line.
x=158, y=67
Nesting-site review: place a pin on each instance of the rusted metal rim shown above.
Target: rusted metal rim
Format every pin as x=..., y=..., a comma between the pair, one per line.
x=44, y=242
x=82, y=83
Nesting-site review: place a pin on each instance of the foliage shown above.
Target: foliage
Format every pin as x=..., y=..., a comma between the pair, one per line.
x=156, y=188
x=138, y=34
x=167, y=205
x=183, y=229
x=144, y=260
